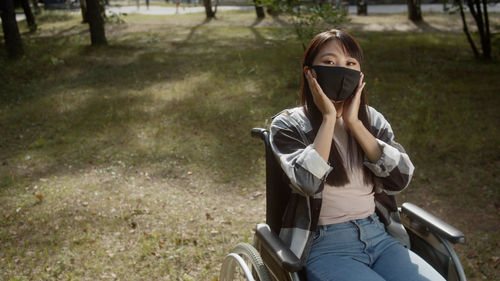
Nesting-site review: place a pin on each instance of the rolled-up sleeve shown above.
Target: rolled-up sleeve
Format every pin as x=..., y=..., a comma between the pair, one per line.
x=312, y=162
x=305, y=168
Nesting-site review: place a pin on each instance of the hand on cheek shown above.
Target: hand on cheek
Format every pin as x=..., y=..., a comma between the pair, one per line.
x=352, y=104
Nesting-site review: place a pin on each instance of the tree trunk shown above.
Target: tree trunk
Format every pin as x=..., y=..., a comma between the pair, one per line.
x=83, y=7
x=481, y=18
x=259, y=9
x=208, y=9
x=466, y=30
x=30, y=18
x=486, y=45
x=96, y=23
x=362, y=6
x=414, y=11
x=10, y=29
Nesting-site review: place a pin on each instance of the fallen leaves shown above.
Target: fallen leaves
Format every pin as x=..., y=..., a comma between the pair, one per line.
x=256, y=195
x=495, y=260
x=161, y=223
x=186, y=241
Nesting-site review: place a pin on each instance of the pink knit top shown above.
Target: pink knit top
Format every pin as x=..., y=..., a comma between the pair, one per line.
x=355, y=200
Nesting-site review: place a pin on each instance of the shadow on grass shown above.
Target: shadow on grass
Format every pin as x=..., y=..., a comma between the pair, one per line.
x=172, y=106
x=185, y=104
x=255, y=31
x=425, y=26
x=192, y=31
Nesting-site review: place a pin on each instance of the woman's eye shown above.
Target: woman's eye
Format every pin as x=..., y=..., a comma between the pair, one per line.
x=351, y=63
x=330, y=62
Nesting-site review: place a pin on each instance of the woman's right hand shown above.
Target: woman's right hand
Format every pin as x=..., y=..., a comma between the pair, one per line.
x=323, y=140
x=324, y=104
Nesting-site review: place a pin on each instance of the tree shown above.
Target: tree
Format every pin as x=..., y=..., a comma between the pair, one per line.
x=308, y=19
x=83, y=8
x=479, y=11
x=10, y=29
x=208, y=8
x=259, y=9
x=30, y=18
x=362, y=6
x=414, y=10
x=96, y=22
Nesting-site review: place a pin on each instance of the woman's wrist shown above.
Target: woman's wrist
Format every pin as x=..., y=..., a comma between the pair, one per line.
x=354, y=125
x=367, y=141
x=323, y=140
x=329, y=120
x=329, y=117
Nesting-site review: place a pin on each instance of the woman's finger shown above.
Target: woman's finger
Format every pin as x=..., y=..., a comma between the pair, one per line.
x=357, y=96
x=360, y=90
x=361, y=85
x=314, y=85
x=308, y=78
x=320, y=99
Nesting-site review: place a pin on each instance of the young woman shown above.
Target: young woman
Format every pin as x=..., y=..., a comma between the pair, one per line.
x=342, y=161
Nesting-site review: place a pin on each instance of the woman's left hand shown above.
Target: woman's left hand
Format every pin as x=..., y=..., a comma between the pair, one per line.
x=351, y=106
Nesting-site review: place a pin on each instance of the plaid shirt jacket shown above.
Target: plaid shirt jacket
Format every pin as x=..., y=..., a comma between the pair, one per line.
x=291, y=140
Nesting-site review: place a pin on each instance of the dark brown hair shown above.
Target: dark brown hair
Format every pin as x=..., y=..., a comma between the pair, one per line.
x=350, y=46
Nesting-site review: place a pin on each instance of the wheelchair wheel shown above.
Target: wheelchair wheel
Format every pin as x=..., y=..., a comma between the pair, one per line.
x=244, y=263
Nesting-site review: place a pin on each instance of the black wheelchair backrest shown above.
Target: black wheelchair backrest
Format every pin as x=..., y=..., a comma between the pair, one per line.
x=277, y=184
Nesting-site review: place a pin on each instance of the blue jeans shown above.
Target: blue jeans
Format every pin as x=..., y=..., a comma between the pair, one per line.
x=362, y=250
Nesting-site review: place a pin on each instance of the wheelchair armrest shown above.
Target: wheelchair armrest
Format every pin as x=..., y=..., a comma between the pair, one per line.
x=434, y=224
x=277, y=249
x=259, y=133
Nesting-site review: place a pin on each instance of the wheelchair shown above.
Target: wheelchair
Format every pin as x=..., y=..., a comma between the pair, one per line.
x=269, y=259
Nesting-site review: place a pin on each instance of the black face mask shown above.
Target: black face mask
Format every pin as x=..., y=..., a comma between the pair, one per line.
x=338, y=83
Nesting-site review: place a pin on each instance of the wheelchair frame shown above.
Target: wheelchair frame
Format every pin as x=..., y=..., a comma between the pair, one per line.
x=270, y=259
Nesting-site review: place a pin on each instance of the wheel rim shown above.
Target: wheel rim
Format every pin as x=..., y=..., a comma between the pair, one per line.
x=244, y=263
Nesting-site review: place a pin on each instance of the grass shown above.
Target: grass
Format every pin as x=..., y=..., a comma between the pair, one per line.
x=134, y=161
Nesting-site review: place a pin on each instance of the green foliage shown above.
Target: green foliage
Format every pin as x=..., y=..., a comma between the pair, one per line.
x=308, y=19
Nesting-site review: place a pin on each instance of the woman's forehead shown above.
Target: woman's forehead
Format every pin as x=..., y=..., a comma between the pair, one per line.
x=334, y=48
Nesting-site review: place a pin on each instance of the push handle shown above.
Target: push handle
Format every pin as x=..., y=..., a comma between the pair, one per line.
x=259, y=133
x=434, y=224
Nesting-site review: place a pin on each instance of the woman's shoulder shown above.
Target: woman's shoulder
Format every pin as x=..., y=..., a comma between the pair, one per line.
x=292, y=117
x=290, y=114
x=293, y=112
x=372, y=111
x=377, y=119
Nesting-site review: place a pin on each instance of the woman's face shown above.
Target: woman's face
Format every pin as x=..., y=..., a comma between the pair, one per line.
x=332, y=54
